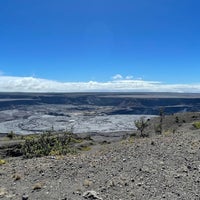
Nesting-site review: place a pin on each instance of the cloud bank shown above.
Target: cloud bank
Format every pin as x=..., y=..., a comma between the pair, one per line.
x=118, y=84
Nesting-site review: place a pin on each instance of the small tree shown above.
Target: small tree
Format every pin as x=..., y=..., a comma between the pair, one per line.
x=11, y=135
x=159, y=128
x=141, y=124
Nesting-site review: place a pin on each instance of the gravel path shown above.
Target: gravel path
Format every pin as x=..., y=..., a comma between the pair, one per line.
x=160, y=167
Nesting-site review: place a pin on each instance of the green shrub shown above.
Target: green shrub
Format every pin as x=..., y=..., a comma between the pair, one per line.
x=85, y=148
x=47, y=144
x=159, y=128
x=196, y=125
x=141, y=124
x=2, y=162
x=177, y=119
x=11, y=135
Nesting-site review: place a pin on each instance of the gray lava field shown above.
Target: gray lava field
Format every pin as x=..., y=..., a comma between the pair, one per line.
x=87, y=113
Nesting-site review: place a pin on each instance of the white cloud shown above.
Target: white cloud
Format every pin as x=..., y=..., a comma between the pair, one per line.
x=31, y=84
x=117, y=77
x=129, y=77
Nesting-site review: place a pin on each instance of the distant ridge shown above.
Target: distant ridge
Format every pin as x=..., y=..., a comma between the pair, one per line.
x=123, y=103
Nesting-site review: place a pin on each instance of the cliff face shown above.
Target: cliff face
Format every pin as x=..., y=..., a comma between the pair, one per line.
x=129, y=103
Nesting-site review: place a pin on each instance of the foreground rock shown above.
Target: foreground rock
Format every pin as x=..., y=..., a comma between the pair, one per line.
x=160, y=167
x=91, y=195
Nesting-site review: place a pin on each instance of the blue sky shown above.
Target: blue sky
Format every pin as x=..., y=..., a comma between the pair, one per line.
x=94, y=40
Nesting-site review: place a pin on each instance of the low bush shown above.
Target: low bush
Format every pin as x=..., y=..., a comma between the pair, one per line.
x=196, y=125
x=177, y=119
x=141, y=124
x=2, y=162
x=48, y=144
x=85, y=148
x=11, y=135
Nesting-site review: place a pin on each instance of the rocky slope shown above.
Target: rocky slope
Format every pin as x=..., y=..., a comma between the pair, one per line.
x=160, y=167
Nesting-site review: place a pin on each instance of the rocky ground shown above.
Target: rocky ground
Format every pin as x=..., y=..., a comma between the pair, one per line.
x=163, y=166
